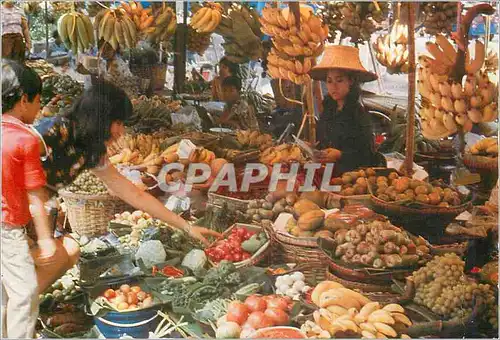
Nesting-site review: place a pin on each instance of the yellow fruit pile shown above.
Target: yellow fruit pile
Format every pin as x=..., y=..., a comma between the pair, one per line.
x=76, y=31
x=486, y=146
x=197, y=42
x=199, y=155
x=295, y=47
x=447, y=103
x=164, y=26
x=391, y=49
x=143, y=18
x=346, y=313
x=140, y=150
x=254, y=139
x=282, y=154
x=207, y=18
x=116, y=28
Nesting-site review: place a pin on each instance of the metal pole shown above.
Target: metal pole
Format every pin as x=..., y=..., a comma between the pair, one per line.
x=410, y=124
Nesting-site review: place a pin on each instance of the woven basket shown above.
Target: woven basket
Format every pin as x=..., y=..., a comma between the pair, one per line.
x=481, y=162
x=232, y=203
x=303, y=251
x=256, y=258
x=90, y=214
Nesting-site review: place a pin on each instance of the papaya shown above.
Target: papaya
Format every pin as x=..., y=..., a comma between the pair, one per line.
x=318, y=197
x=303, y=206
x=311, y=220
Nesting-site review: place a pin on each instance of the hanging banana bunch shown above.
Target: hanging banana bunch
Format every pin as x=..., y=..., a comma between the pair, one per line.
x=143, y=18
x=197, y=42
x=207, y=18
x=392, y=49
x=357, y=20
x=295, y=49
x=447, y=103
x=116, y=28
x=439, y=17
x=240, y=28
x=76, y=31
x=163, y=27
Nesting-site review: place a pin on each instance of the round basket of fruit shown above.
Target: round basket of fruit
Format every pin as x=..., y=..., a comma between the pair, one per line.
x=483, y=155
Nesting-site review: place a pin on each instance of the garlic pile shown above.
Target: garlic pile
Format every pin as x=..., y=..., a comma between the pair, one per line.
x=291, y=285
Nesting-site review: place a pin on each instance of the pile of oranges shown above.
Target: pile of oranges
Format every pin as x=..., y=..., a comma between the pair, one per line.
x=128, y=298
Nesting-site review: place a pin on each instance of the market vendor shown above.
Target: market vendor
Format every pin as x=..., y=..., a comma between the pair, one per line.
x=238, y=113
x=15, y=32
x=77, y=141
x=344, y=123
x=226, y=69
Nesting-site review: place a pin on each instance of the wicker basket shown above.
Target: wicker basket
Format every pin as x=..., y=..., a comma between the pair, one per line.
x=256, y=258
x=303, y=251
x=232, y=203
x=481, y=162
x=90, y=214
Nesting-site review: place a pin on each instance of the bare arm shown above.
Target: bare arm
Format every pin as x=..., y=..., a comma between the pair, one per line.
x=141, y=200
x=26, y=32
x=46, y=243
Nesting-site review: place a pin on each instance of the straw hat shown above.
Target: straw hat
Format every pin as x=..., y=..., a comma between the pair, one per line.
x=343, y=58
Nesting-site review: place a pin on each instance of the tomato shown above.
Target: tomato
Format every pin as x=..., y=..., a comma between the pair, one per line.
x=245, y=255
x=109, y=294
x=256, y=303
x=242, y=232
x=278, y=302
x=259, y=320
x=125, y=288
x=278, y=316
x=237, y=312
x=136, y=289
x=227, y=257
x=237, y=257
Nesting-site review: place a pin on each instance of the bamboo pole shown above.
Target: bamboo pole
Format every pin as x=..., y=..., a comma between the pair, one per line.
x=410, y=124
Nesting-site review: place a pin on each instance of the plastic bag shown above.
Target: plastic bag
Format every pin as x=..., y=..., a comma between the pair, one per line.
x=151, y=252
x=187, y=116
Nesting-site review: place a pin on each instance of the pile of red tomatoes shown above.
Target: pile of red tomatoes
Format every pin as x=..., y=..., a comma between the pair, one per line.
x=230, y=248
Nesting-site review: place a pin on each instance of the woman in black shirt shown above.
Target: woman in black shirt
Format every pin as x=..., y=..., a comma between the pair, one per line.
x=344, y=123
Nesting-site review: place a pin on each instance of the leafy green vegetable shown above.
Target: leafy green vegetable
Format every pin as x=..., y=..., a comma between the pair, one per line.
x=195, y=259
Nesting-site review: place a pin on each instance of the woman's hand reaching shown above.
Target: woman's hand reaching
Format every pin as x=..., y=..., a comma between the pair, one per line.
x=199, y=233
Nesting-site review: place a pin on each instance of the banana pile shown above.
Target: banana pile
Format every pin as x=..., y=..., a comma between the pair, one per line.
x=392, y=49
x=439, y=17
x=152, y=113
x=76, y=31
x=253, y=139
x=164, y=26
x=116, y=28
x=140, y=150
x=448, y=104
x=143, y=18
x=240, y=28
x=346, y=313
x=284, y=153
x=197, y=42
x=485, y=147
x=295, y=48
x=199, y=155
x=357, y=20
x=207, y=18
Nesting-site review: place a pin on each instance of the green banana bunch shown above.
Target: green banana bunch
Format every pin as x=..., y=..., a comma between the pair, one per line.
x=76, y=31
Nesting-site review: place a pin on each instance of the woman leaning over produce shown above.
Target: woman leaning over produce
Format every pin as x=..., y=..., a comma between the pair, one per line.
x=77, y=141
x=344, y=123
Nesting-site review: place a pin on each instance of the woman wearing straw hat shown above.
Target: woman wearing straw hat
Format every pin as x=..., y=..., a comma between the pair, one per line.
x=344, y=123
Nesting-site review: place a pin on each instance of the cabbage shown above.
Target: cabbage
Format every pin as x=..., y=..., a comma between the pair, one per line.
x=151, y=252
x=195, y=260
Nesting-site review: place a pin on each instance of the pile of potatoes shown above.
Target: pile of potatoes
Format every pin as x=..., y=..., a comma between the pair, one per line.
x=355, y=182
x=400, y=188
x=267, y=210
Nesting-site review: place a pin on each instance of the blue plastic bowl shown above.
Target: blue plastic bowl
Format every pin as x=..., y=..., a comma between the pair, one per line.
x=136, y=324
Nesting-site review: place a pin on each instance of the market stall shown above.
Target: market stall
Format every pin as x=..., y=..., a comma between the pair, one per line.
x=373, y=252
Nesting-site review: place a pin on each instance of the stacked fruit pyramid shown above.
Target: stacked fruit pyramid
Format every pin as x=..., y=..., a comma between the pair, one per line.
x=295, y=47
x=449, y=103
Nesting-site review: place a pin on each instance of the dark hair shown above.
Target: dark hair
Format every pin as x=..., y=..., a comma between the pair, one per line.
x=355, y=90
x=93, y=113
x=232, y=81
x=18, y=80
x=55, y=34
x=233, y=68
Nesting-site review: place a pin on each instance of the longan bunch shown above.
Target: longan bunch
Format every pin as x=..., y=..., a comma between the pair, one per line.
x=87, y=183
x=443, y=287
